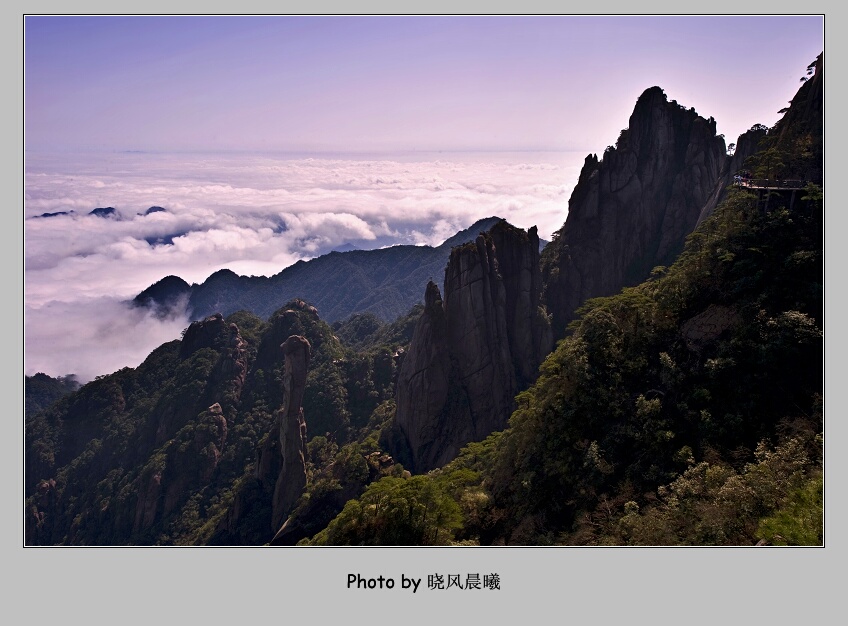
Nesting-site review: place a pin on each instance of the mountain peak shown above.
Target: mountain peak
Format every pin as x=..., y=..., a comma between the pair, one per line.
x=386, y=282
x=632, y=210
x=470, y=233
x=104, y=212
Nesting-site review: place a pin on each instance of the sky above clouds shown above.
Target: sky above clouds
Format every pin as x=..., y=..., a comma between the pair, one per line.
x=253, y=214
x=258, y=214
x=396, y=82
x=273, y=139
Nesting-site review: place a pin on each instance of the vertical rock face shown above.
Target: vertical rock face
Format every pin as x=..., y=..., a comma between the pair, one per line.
x=632, y=210
x=747, y=144
x=424, y=380
x=474, y=350
x=187, y=464
x=231, y=370
x=282, y=459
x=226, y=380
x=529, y=331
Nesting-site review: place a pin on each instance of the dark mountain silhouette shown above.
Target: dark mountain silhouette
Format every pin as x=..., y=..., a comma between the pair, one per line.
x=167, y=296
x=683, y=410
x=54, y=214
x=109, y=212
x=632, y=209
x=474, y=350
x=385, y=282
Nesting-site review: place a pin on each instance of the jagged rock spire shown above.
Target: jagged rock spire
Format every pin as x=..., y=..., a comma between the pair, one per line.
x=633, y=209
x=282, y=459
x=474, y=350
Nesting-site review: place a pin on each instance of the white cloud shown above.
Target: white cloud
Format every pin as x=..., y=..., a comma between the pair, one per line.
x=89, y=337
x=254, y=215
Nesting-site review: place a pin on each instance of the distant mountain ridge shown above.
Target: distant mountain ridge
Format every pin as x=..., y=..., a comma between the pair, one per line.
x=685, y=410
x=387, y=282
x=109, y=212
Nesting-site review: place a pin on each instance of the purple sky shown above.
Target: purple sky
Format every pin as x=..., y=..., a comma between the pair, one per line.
x=132, y=112
x=358, y=83
x=396, y=83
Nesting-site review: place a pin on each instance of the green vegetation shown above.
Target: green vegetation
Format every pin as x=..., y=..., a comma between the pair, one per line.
x=395, y=512
x=794, y=148
x=141, y=456
x=684, y=411
x=41, y=390
x=687, y=410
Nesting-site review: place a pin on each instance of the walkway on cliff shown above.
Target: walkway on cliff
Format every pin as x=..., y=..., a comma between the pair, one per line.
x=768, y=185
x=776, y=185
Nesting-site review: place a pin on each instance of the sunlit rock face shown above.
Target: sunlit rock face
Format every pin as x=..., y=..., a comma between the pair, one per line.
x=632, y=210
x=473, y=350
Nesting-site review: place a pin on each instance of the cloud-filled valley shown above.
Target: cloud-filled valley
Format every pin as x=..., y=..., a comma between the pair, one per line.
x=252, y=214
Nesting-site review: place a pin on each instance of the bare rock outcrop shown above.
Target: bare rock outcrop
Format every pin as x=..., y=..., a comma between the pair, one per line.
x=186, y=463
x=231, y=369
x=473, y=351
x=708, y=326
x=632, y=210
x=747, y=144
x=41, y=514
x=282, y=457
x=226, y=381
x=210, y=332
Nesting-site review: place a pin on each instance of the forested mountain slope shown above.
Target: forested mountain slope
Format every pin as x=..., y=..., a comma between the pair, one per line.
x=686, y=409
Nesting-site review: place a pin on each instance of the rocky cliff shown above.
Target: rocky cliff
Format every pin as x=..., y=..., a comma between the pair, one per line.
x=631, y=210
x=473, y=350
x=292, y=427
x=792, y=149
x=804, y=120
x=281, y=460
x=747, y=145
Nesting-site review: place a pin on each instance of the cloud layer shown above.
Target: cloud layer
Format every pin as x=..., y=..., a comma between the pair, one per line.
x=254, y=215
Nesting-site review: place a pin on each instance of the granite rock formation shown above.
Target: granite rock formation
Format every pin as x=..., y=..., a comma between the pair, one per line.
x=747, y=144
x=474, y=350
x=227, y=376
x=632, y=210
x=191, y=461
x=207, y=333
x=282, y=457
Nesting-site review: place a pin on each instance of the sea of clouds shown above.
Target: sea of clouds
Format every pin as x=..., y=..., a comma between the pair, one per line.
x=252, y=214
